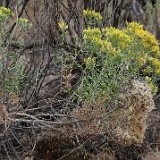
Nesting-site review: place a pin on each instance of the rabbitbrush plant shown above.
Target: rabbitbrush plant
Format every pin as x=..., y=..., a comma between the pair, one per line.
x=113, y=57
x=11, y=65
x=115, y=92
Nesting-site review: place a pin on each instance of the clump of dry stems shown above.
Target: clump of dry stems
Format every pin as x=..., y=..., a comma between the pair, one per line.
x=127, y=125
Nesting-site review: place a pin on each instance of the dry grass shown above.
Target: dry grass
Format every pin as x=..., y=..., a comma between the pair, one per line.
x=104, y=155
x=131, y=124
x=126, y=126
x=90, y=119
x=152, y=156
x=3, y=114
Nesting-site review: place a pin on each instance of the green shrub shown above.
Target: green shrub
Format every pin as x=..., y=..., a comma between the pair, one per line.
x=12, y=65
x=92, y=18
x=114, y=57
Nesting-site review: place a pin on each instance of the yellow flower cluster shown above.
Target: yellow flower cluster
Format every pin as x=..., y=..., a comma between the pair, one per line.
x=89, y=14
x=63, y=26
x=141, y=60
x=152, y=67
x=156, y=66
x=90, y=62
x=107, y=47
x=22, y=20
x=90, y=33
x=93, y=36
x=118, y=38
x=156, y=63
x=134, y=26
x=4, y=12
x=148, y=41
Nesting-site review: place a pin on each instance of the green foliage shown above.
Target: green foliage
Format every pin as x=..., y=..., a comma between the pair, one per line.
x=92, y=18
x=11, y=75
x=4, y=13
x=152, y=13
x=113, y=57
x=12, y=65
x=24, y=24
